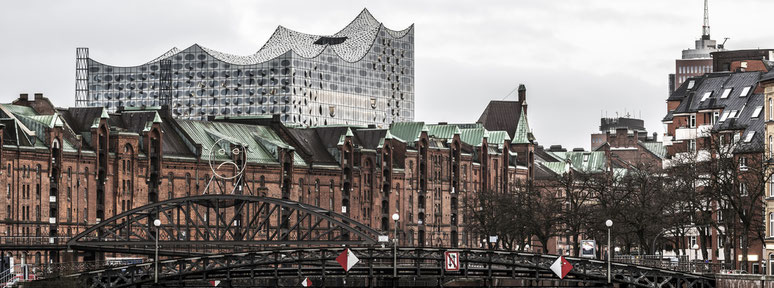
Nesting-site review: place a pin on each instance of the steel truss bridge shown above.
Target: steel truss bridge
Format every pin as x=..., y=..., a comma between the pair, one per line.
x=249, y=241
x=376, y=267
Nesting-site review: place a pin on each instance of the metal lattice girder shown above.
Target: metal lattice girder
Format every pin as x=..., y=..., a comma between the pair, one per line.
x=218, y=223
x=377, y=263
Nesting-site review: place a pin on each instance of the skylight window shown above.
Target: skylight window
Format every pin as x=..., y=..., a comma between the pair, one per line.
x=724, y=116
x=757, y=111
x=690, y=84
x=725, y=93
x=706, y=95
x=732, y=114
x=745, y=91
x=749, y=136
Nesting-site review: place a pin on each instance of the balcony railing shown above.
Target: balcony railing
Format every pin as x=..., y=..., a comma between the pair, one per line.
x=685, y=133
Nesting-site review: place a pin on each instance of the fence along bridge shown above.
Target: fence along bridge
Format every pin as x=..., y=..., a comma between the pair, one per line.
x=288, y=267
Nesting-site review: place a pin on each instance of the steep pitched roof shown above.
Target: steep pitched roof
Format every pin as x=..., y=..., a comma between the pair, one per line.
x=502, y=116
x=522, y=135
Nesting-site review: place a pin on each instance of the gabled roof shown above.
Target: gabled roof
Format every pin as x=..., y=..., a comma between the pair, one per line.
x=502, y=116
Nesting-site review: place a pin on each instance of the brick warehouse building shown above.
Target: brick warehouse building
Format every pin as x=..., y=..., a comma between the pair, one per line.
x=67, y=169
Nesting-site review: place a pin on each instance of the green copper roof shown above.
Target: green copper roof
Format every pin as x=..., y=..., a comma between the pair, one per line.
x=20, y=110
x=596, y=161
x=104, y=114
x=408, y=131
x=556, y=167
x=655, y=148
x=156, y=118
x=498, y=137
x=262, y=142
x=521, y=135
x=473, y=136
x=443, y=131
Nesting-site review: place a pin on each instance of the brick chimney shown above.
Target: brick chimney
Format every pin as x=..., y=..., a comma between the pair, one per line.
x=23, y=96
x=523, y=96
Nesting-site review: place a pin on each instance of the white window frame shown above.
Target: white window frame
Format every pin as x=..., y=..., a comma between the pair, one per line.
x=692, y=121
x=771, y=224
x=749, y=136
x=706, y=96
x=757, y=111
x=726, y=92
x=745, y=91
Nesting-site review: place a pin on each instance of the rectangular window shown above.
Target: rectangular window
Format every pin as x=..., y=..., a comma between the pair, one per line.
x=757, y=111
x=743, y=189
x=724, y=116
x=745, y=91
x=749, y=137
x=706, y=96
x=692, y=145
x=726, y=92
x=692, y=121
x=693, y=241
x=743, y=163
x=721, y=241
x=715, y=116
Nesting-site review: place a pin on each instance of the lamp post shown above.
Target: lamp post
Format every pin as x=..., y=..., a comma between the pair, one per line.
x=395, y=217
x=609, y=224
x=156, y=223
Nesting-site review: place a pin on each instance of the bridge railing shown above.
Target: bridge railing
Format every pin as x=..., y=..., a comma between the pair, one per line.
x=680, y=263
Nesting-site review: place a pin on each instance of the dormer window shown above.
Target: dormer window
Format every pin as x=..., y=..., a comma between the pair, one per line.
x=725, y=93
x=745, y=91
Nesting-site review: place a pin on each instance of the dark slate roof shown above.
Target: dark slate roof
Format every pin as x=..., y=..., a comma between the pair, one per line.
x=370, y=138
x=314, y=146
x=80, y=119
x=501, y=116
x=714, y=83
x=768, y=76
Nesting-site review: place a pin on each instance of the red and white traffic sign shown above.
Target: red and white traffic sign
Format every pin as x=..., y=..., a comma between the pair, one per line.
x=347, y=259
x=306, y=282
x=561, y=267
x=451, y=260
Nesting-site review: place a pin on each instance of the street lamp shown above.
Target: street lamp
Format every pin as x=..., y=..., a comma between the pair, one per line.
x=609, y=224
x=395, y=217
x=156, y=223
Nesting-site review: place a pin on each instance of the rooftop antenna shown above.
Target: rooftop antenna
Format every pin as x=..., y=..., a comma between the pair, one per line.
x=705, y=31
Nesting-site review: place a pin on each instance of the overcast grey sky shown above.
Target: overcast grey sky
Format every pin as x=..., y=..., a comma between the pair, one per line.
x=578, y=59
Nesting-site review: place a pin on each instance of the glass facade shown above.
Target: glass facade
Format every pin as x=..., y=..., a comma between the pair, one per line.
x=362, y=75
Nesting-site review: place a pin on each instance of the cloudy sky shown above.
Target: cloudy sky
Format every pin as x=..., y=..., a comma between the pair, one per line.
x=579, y=59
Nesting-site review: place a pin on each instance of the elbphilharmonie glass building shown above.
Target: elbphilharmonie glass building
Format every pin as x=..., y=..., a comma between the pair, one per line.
x=364, y=74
